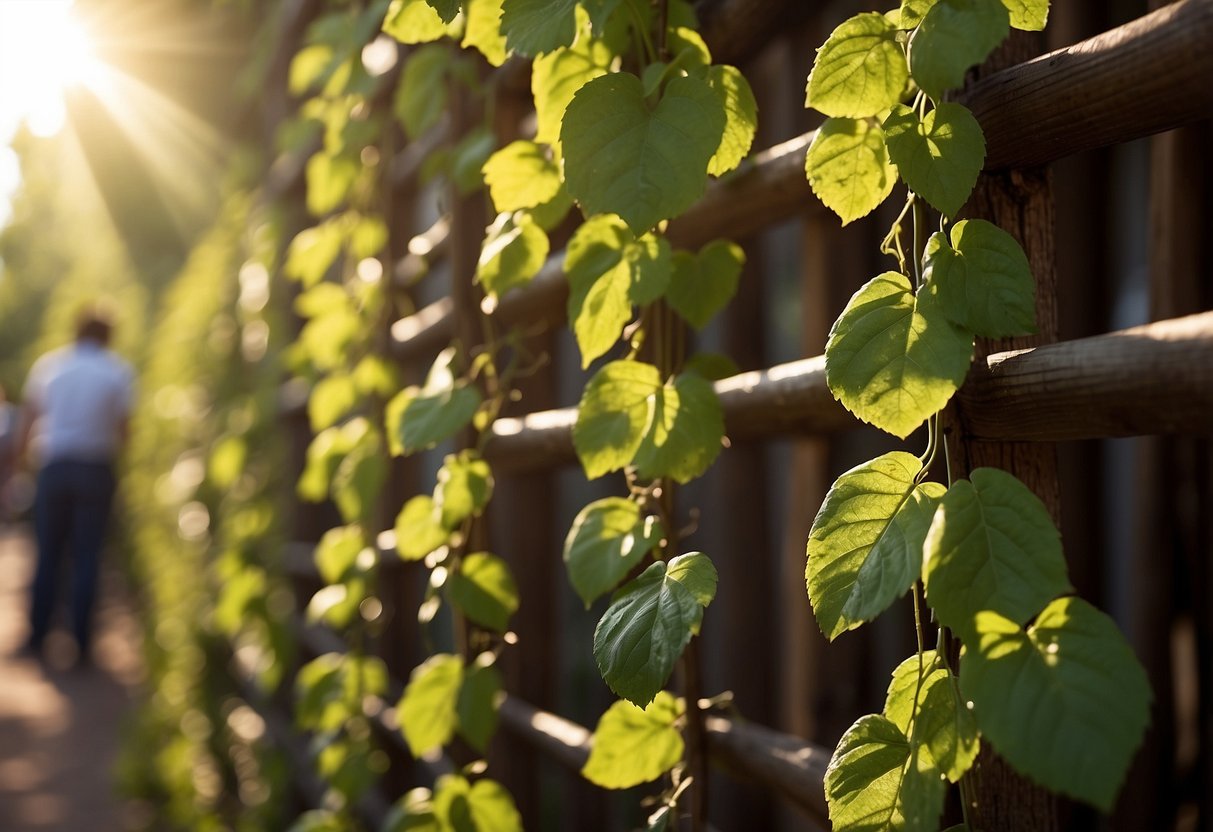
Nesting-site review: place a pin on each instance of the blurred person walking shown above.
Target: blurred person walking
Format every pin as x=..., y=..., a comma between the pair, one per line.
x=76, y=408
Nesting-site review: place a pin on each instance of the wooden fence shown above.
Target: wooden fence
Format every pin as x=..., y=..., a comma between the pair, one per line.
x=1123, y=260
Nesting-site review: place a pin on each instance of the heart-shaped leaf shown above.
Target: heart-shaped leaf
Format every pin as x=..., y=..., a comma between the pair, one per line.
x=953, y=36
x=860, y=70
x=848, y=167
x=982, y=280
x=893, y=358
x=607, y=539
x=939, y=156
x=1066, y=703
x=644, y=164
x=634, y=745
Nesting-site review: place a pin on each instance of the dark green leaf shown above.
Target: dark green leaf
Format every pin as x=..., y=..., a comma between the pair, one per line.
x=992, y=546
x=478, y=702
x=894, y=359
x=1066, y=702
x=632, y=745
x=848, y=167
x=940, y=156
x=423, y=419
x=648, y=624
x=856, y=516
x=646, y=165
x=447, y=9
x=614, y=415
x=685, y=432
x=483, y=588
x=428, y=710
x=421, y=94
x=953, y=36
x=982, y=280
x=533, y=27
x=860, y=70
x=702, y=284
x=607, y=539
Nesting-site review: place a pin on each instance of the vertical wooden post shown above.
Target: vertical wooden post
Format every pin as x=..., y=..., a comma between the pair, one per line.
x=1020, y=202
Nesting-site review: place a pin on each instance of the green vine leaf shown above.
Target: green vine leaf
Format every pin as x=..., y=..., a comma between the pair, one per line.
x=414, y=812
x=741, y=117
x=634, y=745
x=465, y=486
x=992, y=546
x=419, y=528
x=514, y=250
x=483, y=806
x=447, y=9
x=533, y=27
x=428, y=709
x=359, y=476
x=685, y=432
x=313, y=251
x=414, y=21
x=332, y=398
x=329, y=180
x=477, y=705
x=483, y=588
x=520, y=175
x=420, y=417
x=877, y=781
x=895, y=560
x=607, y=539
x=1066, y=703
x=609, y=270
x=421, y=96
x=557, y=76
x=644, y=164
x=982, y=280
x=848, y=166
x=953, y=36
x=703, y=284
x=649, y=623
x=860, y=70
x=337, y=552
x=913, y=11
x=614, y=415
x=1029, y=15
x=894, y=359
x=942, y=723
x=483, y=30
x=857, y=514
x=939, y=156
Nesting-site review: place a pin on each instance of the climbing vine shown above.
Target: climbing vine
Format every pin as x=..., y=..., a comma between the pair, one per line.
x=1019, y=663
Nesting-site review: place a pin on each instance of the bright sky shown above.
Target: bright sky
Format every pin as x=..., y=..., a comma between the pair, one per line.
x=42, y=52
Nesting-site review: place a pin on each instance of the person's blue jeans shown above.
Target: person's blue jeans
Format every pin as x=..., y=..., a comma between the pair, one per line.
x=71, y=511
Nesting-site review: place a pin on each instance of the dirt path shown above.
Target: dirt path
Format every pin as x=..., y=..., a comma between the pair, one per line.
x=59, y=726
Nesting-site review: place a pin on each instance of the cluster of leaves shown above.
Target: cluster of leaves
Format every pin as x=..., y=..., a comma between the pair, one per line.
x=632, y=118
x=201, y=519
x=1042, y=676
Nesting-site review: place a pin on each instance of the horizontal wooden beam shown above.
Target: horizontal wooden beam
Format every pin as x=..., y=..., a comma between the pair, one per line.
x=1051, y=107
x=1152, y=74
x=1153, y=379
x=787, y=765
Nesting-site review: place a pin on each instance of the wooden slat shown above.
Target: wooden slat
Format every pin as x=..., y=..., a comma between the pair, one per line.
x=1153, y=379
x=785, y=764
x=1056, y=105
x=1150, y=75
